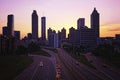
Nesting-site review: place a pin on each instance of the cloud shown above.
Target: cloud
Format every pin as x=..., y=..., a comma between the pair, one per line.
x=110, y=24
x=111, y=27
x=114, y=29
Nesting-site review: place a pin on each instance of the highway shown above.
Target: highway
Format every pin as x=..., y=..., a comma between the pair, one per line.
x=61, y=66
x=110, y=71
x=37, y=72
x=81, y=71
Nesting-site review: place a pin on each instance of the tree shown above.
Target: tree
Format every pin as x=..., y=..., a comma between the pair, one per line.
x=33, y=47
x=21, y=50
x=105, y=51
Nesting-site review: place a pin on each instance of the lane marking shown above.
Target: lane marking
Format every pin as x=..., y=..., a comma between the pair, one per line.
x=35, y=71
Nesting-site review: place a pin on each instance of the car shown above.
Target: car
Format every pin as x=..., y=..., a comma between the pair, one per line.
x=41, y=64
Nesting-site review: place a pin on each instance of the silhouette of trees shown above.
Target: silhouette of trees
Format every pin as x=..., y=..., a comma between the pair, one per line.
x=74, y=49
x=33, y=47
x=21, y=50
x=109, y=53
x=105, y=51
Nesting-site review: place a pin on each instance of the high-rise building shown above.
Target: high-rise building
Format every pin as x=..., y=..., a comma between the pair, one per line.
x=50, y=37
x=95, y=22
x=10, y=25
x=63, y=34
x=17, y=34
x=34, y=25
x=5, y=31
x=87, y=38
x=72, y=33
x=53, y=38
x=29, y=36
x=80, y=23
x=43, y=30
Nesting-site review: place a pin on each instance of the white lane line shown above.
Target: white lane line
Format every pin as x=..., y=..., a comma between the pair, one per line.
x=34, y=72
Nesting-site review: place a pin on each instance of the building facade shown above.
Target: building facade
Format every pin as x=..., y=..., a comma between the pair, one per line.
x=84, y=36
x=63, y=34
x=17, y=34
x=34, y=25
x=80, y=23
x=95, y=22
x=5, y=31
x=10, y=25
x=53, y=38
x=43, y=30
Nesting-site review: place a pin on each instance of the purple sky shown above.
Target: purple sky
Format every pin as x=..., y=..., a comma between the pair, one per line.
x=61, y=13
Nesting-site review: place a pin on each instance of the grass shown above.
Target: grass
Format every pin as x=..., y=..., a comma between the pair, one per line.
x=11, y=66
x=82, y=58
x=52, y=49
x=41, y=52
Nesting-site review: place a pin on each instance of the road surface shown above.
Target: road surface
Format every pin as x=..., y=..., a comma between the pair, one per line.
x=63, y=64
x=110, y=71
x=37, y=72
x=81, y=71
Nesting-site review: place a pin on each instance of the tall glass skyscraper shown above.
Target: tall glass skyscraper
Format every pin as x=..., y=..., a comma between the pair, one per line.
x=43, y=30
x=80, y=23
x=10, y=25
x=34, y=25
x=95, y=22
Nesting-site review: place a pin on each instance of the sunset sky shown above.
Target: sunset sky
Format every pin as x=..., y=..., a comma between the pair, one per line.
x=61, y=13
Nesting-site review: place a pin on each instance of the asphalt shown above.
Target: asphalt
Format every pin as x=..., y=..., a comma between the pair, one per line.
x=37, y=72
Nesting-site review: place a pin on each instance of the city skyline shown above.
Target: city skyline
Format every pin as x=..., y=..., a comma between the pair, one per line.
x=63, y=15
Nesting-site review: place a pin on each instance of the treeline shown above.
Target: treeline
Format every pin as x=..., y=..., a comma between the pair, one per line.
x=32, y=47
x=108, y=52
x=74, y=49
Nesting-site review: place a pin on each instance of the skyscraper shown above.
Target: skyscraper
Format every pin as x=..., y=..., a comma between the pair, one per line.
x=43, y=30
x=10, y=25
x=63, y=34
x=34, y=25
x=17, y=34
x=72, y=35
x=5, y=31
x=50, y=37
x=80, y=23
x=95, y=22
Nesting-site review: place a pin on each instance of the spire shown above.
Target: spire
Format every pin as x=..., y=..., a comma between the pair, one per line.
x=95, y=11
x=34, y=12
x=94, y=8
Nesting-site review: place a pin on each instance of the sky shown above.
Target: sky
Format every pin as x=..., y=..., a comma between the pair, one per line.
x=61, y=13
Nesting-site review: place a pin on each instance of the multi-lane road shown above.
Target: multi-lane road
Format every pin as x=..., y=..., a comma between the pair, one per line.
x=37, y=72
x=79, y=71
x=111, y=71
x=61, y=64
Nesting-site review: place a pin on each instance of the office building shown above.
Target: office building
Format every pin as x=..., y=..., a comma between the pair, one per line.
x=34, y=25
x=80, y=23
x=10, y=25
x=50, y=37
x=29, y=36
x=43, y=30
x=17, y=34
x=72, y=34
x=88, y=38
x=56, y=43
x=63, y=34
x=95, y=22
x=5, y=31
x=53, y=38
